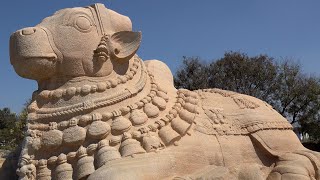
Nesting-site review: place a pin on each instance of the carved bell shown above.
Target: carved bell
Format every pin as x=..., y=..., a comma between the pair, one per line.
x=98, y=130
x=52, y=139
x=63, y=171
x=74, y=135
x=43, y=173
x=190, y=107
x=180, y=126
x=120, y=125
x=138, y=117
x=163, y=95
x=106, y=153
x=27, y=172
x=130, y=146
x=168, y=135
x=84, y=165
x=187, y=116
x=151, y=110
x=152, y=143
x=159, y=102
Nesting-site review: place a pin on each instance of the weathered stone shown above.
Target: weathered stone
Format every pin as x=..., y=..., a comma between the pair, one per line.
x=151, y=110
x=99, y=130
x=74, y=136
x=120, y=125
x=52, y=138
x=138, y=117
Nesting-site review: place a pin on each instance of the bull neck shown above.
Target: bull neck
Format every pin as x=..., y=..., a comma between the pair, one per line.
x=91, y=94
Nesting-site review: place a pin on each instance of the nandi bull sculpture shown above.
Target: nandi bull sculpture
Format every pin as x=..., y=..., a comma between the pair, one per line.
x=100, y=112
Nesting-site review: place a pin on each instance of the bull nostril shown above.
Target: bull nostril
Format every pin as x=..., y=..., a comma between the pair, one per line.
x=28, y=31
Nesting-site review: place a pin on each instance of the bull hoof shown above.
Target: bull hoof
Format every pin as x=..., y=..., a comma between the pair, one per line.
x=288, y=176
x=293, y=166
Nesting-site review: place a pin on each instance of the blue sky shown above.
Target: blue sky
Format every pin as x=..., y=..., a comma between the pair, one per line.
x=175, y=28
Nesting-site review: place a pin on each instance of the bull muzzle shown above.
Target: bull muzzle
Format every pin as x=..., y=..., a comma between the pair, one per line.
x=32, y=52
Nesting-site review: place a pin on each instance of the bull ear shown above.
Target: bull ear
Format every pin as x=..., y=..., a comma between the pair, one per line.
x=125, y=44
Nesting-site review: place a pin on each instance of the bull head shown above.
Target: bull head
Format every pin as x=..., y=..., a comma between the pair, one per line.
x=74, y=42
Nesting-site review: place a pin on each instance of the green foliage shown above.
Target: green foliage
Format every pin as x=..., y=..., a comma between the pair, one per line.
x=238, y=72
x=280, y=83
x=193, y=74
x=12, y=128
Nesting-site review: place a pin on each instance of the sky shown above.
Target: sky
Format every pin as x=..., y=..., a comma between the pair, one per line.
x=172, y=29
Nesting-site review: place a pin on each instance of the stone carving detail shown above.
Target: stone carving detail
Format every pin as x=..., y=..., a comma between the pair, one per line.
x=42, y=170
x=27, y=170
x=106, y=153
x=100, y=112
x=99, y=130
x=84, y=165
x=242, y=102
x=74, y=135
x=52, y=138
x=63, y=169
x=138, y=117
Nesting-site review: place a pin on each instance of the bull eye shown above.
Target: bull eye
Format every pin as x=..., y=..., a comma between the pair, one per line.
x=83, y=24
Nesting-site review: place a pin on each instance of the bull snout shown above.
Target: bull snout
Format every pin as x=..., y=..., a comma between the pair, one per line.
x=31, y=42
x=32, y=52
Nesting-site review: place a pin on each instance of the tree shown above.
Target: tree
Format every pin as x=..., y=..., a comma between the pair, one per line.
x=12, y=127
x=296, y=97
x=7, y=128
x=282, y=84
x=193, y=74
x=7, y=118
x=255, y=76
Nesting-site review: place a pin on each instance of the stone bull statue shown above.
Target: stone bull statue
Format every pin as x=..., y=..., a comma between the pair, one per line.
x=100, y=112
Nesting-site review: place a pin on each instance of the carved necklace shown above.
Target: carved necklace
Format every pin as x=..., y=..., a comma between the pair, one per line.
x=43, y=113
x=87, y=89
x=169, y=128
